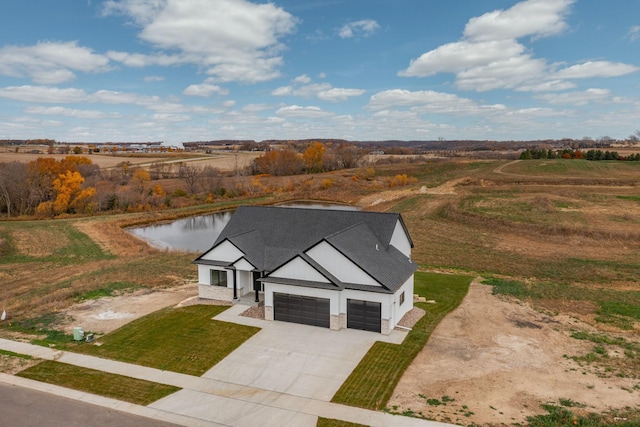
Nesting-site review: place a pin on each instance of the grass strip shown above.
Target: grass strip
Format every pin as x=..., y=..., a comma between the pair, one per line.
x=184, y=340
x=330, y=422
x=105, y=384
x=372, y=382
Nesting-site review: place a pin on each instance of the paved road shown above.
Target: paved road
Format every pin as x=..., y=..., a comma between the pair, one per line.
x=25, y=407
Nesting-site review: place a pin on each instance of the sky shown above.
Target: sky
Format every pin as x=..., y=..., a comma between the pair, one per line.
x=199, y=70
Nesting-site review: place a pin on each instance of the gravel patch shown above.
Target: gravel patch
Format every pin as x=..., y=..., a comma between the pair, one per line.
x=412, y=317
x=254, y=312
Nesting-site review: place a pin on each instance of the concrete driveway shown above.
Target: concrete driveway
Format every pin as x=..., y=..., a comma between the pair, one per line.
x=300, y=360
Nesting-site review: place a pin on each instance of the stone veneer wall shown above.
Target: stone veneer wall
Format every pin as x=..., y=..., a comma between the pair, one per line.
x=215, y=292
x=268, y=312
x=384, y=327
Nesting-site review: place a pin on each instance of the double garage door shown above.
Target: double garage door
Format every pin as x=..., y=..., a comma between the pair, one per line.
x=364, y=315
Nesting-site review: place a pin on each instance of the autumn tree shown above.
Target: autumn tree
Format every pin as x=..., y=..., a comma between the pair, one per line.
x=278, y=162
x=70, y=196
x=141, y=177
x=313, y=157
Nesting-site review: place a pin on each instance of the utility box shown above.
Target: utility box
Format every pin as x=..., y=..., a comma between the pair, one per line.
x=78, y=334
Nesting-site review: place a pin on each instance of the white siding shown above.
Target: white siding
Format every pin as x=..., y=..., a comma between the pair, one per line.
x=339, y=265
x=225, y=251
x=245, y=281
x=400, y=240
x=299, y=269
x=243, y=264
x=401, y=309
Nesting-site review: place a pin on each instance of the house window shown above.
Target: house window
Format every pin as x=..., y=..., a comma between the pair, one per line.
x=402, y=298
x=219, y=278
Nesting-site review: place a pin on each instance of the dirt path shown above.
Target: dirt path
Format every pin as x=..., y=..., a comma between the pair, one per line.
x=499, y=361
x=448, y=187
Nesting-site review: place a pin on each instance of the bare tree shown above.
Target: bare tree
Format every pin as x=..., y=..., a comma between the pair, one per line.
x=348, y=156
x=211, y=179
x=191, y=175
x=15, y=191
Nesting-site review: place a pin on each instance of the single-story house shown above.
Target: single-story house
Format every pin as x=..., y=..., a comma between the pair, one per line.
x=330, y=268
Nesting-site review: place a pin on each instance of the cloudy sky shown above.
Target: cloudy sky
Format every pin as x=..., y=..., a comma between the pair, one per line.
x=188, y=70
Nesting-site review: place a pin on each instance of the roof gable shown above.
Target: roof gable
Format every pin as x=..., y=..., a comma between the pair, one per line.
x=270, y=237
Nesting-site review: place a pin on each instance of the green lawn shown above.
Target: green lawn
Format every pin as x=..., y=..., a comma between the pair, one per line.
x=371, y=384
x=97, y=382
x=183, y=340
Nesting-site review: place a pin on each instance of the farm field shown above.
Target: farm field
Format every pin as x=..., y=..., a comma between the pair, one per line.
x=558, y=242
x=222, y=161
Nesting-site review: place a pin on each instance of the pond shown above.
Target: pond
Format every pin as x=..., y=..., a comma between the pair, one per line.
x=197, y=233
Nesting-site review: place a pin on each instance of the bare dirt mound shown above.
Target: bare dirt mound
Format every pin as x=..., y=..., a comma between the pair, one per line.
x=494, y=362
x=106, y=314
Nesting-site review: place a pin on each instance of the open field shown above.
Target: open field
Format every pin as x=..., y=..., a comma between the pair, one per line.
x=565, y=232
x=223, y=161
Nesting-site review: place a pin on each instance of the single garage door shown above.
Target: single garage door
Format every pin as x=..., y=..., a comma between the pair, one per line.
x=298, y=309
x=365, y=315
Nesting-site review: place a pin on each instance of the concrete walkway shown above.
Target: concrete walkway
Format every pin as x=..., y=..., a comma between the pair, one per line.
x=295, y=359
x=206, y=401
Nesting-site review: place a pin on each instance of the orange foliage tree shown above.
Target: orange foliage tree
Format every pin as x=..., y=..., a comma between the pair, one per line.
x=313, y=157
x=70, y=196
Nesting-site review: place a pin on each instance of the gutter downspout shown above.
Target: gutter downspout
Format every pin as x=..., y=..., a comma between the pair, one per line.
x=235, y=284
x=256, y=288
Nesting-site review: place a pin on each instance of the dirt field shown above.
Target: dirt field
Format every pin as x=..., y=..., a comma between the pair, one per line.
x=495, y=360
x=499, y=361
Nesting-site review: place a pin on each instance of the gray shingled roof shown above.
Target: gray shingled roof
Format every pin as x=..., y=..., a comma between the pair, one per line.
x=271, y=236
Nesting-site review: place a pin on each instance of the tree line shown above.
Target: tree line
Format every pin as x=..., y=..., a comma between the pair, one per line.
x=568, y=153
x=47, y=187
x=314, y=158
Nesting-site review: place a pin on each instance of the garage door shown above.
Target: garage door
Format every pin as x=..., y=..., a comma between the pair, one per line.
x=299, y=309
x=363, y=315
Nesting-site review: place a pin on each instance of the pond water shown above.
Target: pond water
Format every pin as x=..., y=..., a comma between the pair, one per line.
x=197, y=233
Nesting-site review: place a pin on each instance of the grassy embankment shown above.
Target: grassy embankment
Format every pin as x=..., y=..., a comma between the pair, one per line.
x=371, y=384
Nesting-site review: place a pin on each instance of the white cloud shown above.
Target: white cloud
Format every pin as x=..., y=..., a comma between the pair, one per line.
x=596, y=69
x=302, y=112
x=165, y=117
x=339, y=94
x=428, y=102
x=403, y=98
x=70, y=112
x=114, y=97
x=577, y=98
x=455, y=57
x=303, y=87
x=234, y=40
x=634, y=33
x=43, y=94
x=508, y=73
x=538, y=18
x=302, y=79
x=363, y=28
x=204, y=89
x=50, y=62
x=489, y=56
